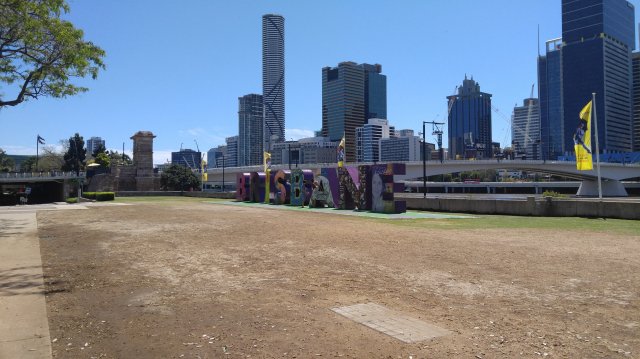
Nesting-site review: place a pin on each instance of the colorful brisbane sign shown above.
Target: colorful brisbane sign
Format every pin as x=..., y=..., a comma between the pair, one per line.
x=366, y=187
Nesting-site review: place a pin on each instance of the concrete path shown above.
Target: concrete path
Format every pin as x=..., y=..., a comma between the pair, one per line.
x=24, y=328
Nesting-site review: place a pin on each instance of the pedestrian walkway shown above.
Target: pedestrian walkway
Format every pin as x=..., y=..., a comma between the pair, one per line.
x=24, y=328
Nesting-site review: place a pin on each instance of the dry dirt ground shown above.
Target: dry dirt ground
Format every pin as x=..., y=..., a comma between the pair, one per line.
x=191, y=279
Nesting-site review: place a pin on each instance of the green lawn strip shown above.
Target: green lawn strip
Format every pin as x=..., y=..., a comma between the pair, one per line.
x=165, y=199
x=619, y=226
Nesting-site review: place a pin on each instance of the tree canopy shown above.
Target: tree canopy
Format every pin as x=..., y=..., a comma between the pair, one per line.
x=179, y=178
x=40, y=53
x=6, y=163
x=76, y=154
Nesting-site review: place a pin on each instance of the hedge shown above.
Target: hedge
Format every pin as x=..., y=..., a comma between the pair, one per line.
x=100, y=196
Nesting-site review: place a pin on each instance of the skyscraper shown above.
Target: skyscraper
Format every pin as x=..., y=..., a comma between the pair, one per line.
x=525, y=128
x=351, y=93
x=598, y=37
x=250, y=135
x=636, y=101
x=368, y=139
x=470, y=122
x=550, y=92
x=273, y=78
x=231, y=157
x=94, y=143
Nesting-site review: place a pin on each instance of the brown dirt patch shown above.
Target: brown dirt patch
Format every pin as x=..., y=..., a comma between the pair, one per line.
x=200, y=280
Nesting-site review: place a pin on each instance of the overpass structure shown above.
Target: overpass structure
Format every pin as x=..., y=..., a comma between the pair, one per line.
x=45, y=187
x=611, y=173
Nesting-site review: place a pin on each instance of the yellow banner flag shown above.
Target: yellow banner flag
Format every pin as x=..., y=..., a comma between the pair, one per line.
x=341, y=152
x=582, y=140
x=266, y=160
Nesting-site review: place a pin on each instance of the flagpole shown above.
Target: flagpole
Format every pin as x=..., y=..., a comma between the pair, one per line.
x=595, y=121
x=37, y=150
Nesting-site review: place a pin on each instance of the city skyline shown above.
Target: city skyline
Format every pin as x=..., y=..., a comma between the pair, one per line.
x=192, y=93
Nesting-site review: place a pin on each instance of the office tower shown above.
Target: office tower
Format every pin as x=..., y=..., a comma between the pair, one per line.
x=250, y=128
x=525, y=128
x=187, y=158
x=636, y=101
x=375, y=92
x=231, y=157
x=367, y=139
x=470, y=122
x=598, y=38
x=550, y=92
x=94, y=143
x=273, y=78
x=350, y=93
x=407, y=148
x=212, y=155
x=405, y=133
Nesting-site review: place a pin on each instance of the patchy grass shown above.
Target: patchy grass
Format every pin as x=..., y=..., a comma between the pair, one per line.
x=620, y=226
x=166, y=199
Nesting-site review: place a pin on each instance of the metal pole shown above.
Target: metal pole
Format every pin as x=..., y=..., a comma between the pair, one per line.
x=424, y=160
x=222, y=173
x=289, y=154
x=595, y=121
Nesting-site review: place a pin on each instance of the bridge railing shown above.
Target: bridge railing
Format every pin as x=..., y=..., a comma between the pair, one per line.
x=44, y=174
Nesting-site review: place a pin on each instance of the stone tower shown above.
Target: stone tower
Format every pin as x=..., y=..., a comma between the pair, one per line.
x=143, y=160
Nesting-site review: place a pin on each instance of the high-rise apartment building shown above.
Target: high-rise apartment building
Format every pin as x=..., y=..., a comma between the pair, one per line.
x=470, y=122
x=550, y=93
x=525, y=128
x=231, y=157
x=368, y=139
x=250, y=138
x=598, y=38
x=350, y=93
x=94, y=143
x=273, y=78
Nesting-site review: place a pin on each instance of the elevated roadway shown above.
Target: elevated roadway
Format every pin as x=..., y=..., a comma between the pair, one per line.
x=611, y=173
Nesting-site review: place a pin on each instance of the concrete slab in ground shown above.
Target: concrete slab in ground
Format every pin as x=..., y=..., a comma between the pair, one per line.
x=391, y=322
x=406, y=215
x=24, y=328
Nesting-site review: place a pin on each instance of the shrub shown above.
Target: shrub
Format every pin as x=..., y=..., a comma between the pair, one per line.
x=72, y=200
x=89, y=195
x=553, y=194
x=105, y=196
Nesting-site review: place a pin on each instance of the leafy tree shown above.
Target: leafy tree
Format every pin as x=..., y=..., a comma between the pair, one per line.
x=50, y=160
x=6, y=163
x=76, y=154
x=97, y=151
x=28, y=165
x=179, y=178
x=103, y=159
x=119, y=158
x=39, y=52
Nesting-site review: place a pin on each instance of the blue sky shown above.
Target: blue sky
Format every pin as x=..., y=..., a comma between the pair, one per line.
x=178, y=68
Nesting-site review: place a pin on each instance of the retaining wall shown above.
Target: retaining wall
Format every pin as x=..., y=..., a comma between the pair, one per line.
x=531, y=206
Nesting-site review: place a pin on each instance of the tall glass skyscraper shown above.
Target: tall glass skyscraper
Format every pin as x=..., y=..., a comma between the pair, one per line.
x=273, y=78
x=550, y=92
x=598, y=37
x=635, y=60
x=470, y=122
x=250, y=137
x=351, y=93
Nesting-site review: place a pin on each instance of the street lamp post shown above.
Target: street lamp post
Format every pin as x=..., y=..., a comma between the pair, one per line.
x=424, y=159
